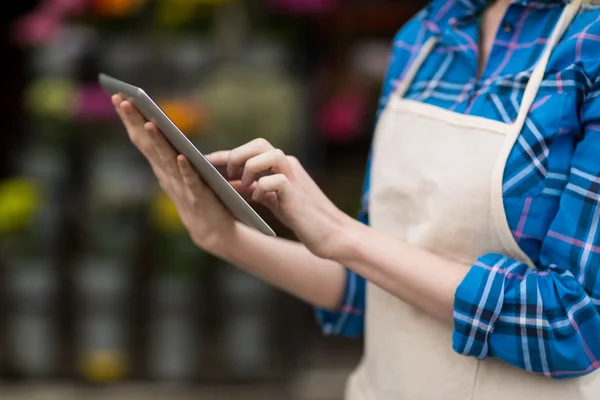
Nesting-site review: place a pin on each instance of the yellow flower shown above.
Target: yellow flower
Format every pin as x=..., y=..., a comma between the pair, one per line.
x=19, y=201
x=103, y=366
x=177, y=12
x=165, y=215
x=52, y=97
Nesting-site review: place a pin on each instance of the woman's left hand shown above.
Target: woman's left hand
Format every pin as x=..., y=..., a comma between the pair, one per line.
x=281, y=183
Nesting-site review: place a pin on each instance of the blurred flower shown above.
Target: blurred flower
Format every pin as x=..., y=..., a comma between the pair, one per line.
x=103, y=366
x=175, y=252
x=188, y=117
x=46, y=22
x=94, y=104
x=179, y=12
x=117, y=8
x=342, y=118
x=246, y=103
x=165, y=215
x=36, y=28
x=19, y=201
x=304, y=6
x=52, y=97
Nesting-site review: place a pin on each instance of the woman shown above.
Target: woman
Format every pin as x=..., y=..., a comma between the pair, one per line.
x=483, y=206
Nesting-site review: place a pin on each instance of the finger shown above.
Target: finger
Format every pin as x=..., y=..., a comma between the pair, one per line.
x=148, y=151
x=219, y=161
x=134, y=123
x=143, y=144
x=116, y=100
x=273, y=161
x=245, y=191
x=166, y=153
x=190, y=177
x=270, y=200
x=278, y=184
x=218, y=158
x=131, y=116
x=239, y=156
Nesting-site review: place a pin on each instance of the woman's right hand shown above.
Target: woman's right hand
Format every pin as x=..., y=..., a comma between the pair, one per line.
x=209, y=224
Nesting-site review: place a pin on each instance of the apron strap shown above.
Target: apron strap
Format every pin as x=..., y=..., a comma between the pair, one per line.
x=416, y=65
x=537, y=75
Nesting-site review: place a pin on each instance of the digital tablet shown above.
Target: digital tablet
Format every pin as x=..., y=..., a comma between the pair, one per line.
x=230, y=198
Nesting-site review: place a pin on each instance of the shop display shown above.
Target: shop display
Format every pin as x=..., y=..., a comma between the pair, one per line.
x=129, y=57
x=190, y=54
x=245, y=342
x=30, y=280
x=175, y=337
x=118, y=187
x=102, y=282
x=43, y=166
x=31, y=324
x=102, y=289
x=60, y=58
x=245, y=103
x=29, y=227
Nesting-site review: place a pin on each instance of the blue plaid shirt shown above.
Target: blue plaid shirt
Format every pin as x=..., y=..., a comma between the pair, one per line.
x=543, y=320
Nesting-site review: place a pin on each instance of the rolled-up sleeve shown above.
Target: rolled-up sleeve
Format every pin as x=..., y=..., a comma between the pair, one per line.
x=545, y=320
x=349, y=320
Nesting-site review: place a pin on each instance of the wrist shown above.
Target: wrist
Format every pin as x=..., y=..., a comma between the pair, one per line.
x=226, y=246
x=346, y=242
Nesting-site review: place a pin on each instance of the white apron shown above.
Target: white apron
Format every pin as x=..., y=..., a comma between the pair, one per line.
x=437, y=183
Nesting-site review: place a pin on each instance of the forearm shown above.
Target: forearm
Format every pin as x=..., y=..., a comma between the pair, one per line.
x=288, y=265
x=420, y=278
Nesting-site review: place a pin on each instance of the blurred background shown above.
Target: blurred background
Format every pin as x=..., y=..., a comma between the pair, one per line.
x=102, y=294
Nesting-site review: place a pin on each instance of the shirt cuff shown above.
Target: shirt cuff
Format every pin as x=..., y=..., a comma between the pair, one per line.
x=349, y=320
x=477, y=305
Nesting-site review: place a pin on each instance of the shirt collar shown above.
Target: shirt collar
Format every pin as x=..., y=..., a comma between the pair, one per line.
x=467, y=10
x=481, y=3
x=472, y=8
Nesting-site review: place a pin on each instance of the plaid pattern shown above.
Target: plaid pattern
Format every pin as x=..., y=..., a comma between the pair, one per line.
x=544, y=320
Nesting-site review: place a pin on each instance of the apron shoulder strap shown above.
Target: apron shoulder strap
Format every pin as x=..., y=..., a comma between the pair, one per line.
x=537, y=76
x=410, y=75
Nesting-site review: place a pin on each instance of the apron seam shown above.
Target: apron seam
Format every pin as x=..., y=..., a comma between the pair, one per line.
x=475, y=380
x=452, y=117
x=497, y=203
